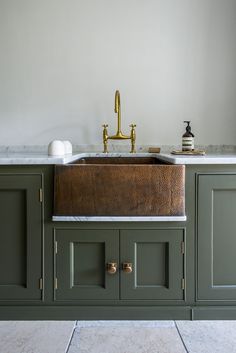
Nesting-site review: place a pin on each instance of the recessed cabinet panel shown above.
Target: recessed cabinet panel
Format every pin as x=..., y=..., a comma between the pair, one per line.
x=87, y=264
x=216, y=237
x=157, y=264
x=155, y=256
x=15, y=239
x=20, y=233
x=81, y=264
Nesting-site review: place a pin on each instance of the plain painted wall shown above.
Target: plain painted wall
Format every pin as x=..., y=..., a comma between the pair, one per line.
x=172, y=60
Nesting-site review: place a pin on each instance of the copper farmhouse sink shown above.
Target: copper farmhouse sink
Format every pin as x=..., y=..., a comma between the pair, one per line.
x=119, y=186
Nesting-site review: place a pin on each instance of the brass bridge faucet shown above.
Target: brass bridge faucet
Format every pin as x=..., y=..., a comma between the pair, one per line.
x=119, y=135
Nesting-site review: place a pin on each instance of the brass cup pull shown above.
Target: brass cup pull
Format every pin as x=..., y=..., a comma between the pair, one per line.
x=111, y=268
x=127, y=267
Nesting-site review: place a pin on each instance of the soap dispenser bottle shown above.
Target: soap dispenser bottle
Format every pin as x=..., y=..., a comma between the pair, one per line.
x=188, y=138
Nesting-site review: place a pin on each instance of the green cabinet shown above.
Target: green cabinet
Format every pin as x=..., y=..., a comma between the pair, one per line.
x=21, y=237
x=154, y=261
x=216, y=237
x=81, y=259
x=157, y=257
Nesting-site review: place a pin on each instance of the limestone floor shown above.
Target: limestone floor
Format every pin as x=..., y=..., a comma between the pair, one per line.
x=117, y=336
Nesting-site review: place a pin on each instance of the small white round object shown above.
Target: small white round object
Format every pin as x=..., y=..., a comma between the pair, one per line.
x=68, y=147
x=56, y=148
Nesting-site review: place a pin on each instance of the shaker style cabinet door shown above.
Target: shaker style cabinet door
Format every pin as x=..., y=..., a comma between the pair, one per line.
x=20, y=237
x=86, y=264
x=216, y=237
x=152, y=264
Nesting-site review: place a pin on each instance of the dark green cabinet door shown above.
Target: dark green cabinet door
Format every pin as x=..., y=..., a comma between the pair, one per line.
x=81, y=264
x=216, y=253
x=157, y=264
x=20, y=237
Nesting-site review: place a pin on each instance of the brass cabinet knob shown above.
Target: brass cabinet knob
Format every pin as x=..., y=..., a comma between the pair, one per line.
x=111, y=268
x=127, y=267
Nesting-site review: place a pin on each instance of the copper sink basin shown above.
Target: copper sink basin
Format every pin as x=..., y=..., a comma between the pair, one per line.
x=119, y=186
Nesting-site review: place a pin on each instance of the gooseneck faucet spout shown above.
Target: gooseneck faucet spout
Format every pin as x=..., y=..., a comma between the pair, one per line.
x=119, y=135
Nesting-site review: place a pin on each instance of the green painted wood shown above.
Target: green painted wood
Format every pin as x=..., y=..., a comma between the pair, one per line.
x=216, y=237
x=102, y=312
x=214, y=313
x=223, y=308
x=80, y=264
x=21, y=237
x=158, y=264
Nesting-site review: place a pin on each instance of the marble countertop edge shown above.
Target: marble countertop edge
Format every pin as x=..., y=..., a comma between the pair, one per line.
x=119, y=218
x=44, y=159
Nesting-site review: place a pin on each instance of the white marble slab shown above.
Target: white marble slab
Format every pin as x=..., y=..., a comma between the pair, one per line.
x=40, y=158
x=210, y=158
x=31, y=159
x=119, y=219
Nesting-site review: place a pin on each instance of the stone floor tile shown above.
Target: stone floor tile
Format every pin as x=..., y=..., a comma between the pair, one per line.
x=35, y=336
x=208, y=336
x=133, y=323
x=117, y=339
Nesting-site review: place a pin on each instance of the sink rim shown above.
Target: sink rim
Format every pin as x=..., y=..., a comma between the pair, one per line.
x=119, y=160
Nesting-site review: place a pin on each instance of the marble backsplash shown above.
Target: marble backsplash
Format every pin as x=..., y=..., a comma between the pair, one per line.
x=41, y=149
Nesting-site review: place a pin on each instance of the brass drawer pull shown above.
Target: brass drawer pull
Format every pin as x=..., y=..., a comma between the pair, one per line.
x=111, y=268
x=127, y=267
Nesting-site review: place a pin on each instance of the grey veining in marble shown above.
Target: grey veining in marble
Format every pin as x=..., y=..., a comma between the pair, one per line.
x=119, y=219
x=216, y=158
x=113, y=147
x=26, y=158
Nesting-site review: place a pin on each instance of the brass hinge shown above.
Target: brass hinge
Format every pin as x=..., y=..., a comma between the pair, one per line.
x=40, y=283
x=55, y=283
x=55, y=247
x=183, y=284
x=182, y=247
x=40, y=195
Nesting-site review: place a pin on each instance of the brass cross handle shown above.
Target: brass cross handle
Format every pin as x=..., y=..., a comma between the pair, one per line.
x=127, y=267
x=111, y=268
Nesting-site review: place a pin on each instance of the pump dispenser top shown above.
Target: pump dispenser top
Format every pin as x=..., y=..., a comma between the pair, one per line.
x=188, y=138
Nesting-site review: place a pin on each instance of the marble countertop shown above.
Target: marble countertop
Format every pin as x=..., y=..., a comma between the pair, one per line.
x=208, y=158
x=38, y=159
x=119, y=218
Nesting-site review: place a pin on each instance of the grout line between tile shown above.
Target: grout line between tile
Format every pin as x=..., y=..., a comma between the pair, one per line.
x=71, y=336
x=181, y=337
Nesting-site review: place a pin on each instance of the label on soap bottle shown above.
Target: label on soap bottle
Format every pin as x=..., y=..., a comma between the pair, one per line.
x=187, y=143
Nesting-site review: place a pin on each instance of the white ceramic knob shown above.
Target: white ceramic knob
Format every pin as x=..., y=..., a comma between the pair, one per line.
x=68, y=147
x=56, y=148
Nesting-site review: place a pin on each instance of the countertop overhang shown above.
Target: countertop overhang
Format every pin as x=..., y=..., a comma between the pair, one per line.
x=44, y=159
x=119, y=219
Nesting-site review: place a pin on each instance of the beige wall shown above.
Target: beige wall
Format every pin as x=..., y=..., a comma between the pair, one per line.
x=172, y=60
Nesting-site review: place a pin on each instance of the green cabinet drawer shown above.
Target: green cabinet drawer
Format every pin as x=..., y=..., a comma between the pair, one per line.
x=81, y=264
x=21, y=237
x=216, y=237
x=157, y=261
